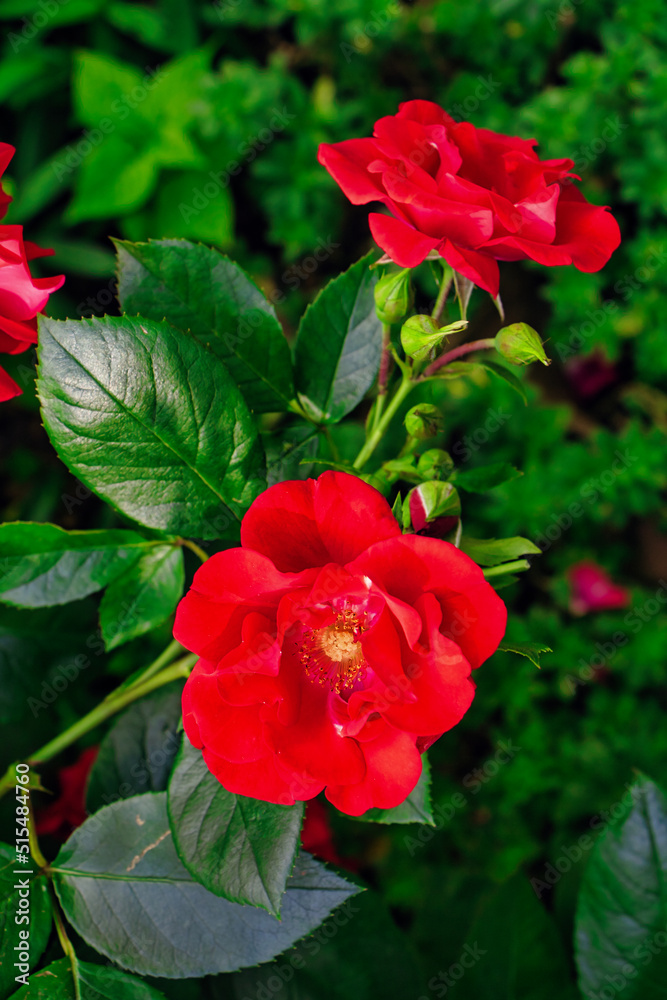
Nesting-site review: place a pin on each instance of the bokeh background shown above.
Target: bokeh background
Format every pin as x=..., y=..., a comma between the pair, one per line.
x=185, y=118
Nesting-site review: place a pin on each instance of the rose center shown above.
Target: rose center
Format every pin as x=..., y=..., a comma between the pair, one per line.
x=333, y=655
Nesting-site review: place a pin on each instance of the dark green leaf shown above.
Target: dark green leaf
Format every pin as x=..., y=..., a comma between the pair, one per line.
x=622, y=909
x=237, y=847
x=123, y=888
x=143, y=596
x=200, y=291
x=41, y=564
x=150, y=421
x=415, y=809
x=37, y=906
x=95, y=982
x=531, y=650
x=493, y=551
x=358, y=954
x=41, y=652
x=338, y=346
x=486, y=477
x=507, y=376
x=513, y=950
x=288, y=452
x=138, y=752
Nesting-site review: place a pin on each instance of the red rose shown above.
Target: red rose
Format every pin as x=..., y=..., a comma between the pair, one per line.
x=22, y=297
x=333, y=648
x=68, y=811
x=472, y=195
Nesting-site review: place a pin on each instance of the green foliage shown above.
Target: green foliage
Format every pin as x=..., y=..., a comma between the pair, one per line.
x=43, y=565
x=25, y=923
x=187, y=121
x=622, y=908
x=239, y=848
x=153, y=918
x=210, y=297
x=138, y=752
x=160, y=408
x=337, y=351
x=94, y=982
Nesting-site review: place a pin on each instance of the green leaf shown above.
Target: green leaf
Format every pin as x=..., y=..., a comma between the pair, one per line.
x=12, y=907
x=200, y=291
x=237, y=847
x=513, y=950
x=143, y=596
x=338, y=345
x=486, y=477
x=358, y=954
x=288, y=452
x=415, y=809
x=507, y=376
x=43, y=565
x=493, y=551
x=124, y=890
x=181, y=210
x=138, y=752
x=456, y=369
x=150, y=421
x=95, y=982
x=531, y=650
x=622, y=907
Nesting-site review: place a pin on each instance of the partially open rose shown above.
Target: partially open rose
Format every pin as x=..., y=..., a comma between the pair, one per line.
x=333, y=648
x=22, y=297
x=471, y=195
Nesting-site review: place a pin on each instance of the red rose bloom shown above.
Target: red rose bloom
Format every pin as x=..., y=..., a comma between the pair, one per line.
x=68, y=811
x=22, y=297
x=333, y=648
x=469, y=194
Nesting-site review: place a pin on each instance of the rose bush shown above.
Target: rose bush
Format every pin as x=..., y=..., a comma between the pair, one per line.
x=22, y=297
x=333, y=648
x=471, y=195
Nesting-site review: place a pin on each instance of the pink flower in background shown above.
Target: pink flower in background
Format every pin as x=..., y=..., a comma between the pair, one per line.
x=22, y=297
x=591, y=589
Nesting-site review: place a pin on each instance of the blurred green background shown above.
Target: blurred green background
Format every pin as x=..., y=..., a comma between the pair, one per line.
x=194, y=119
